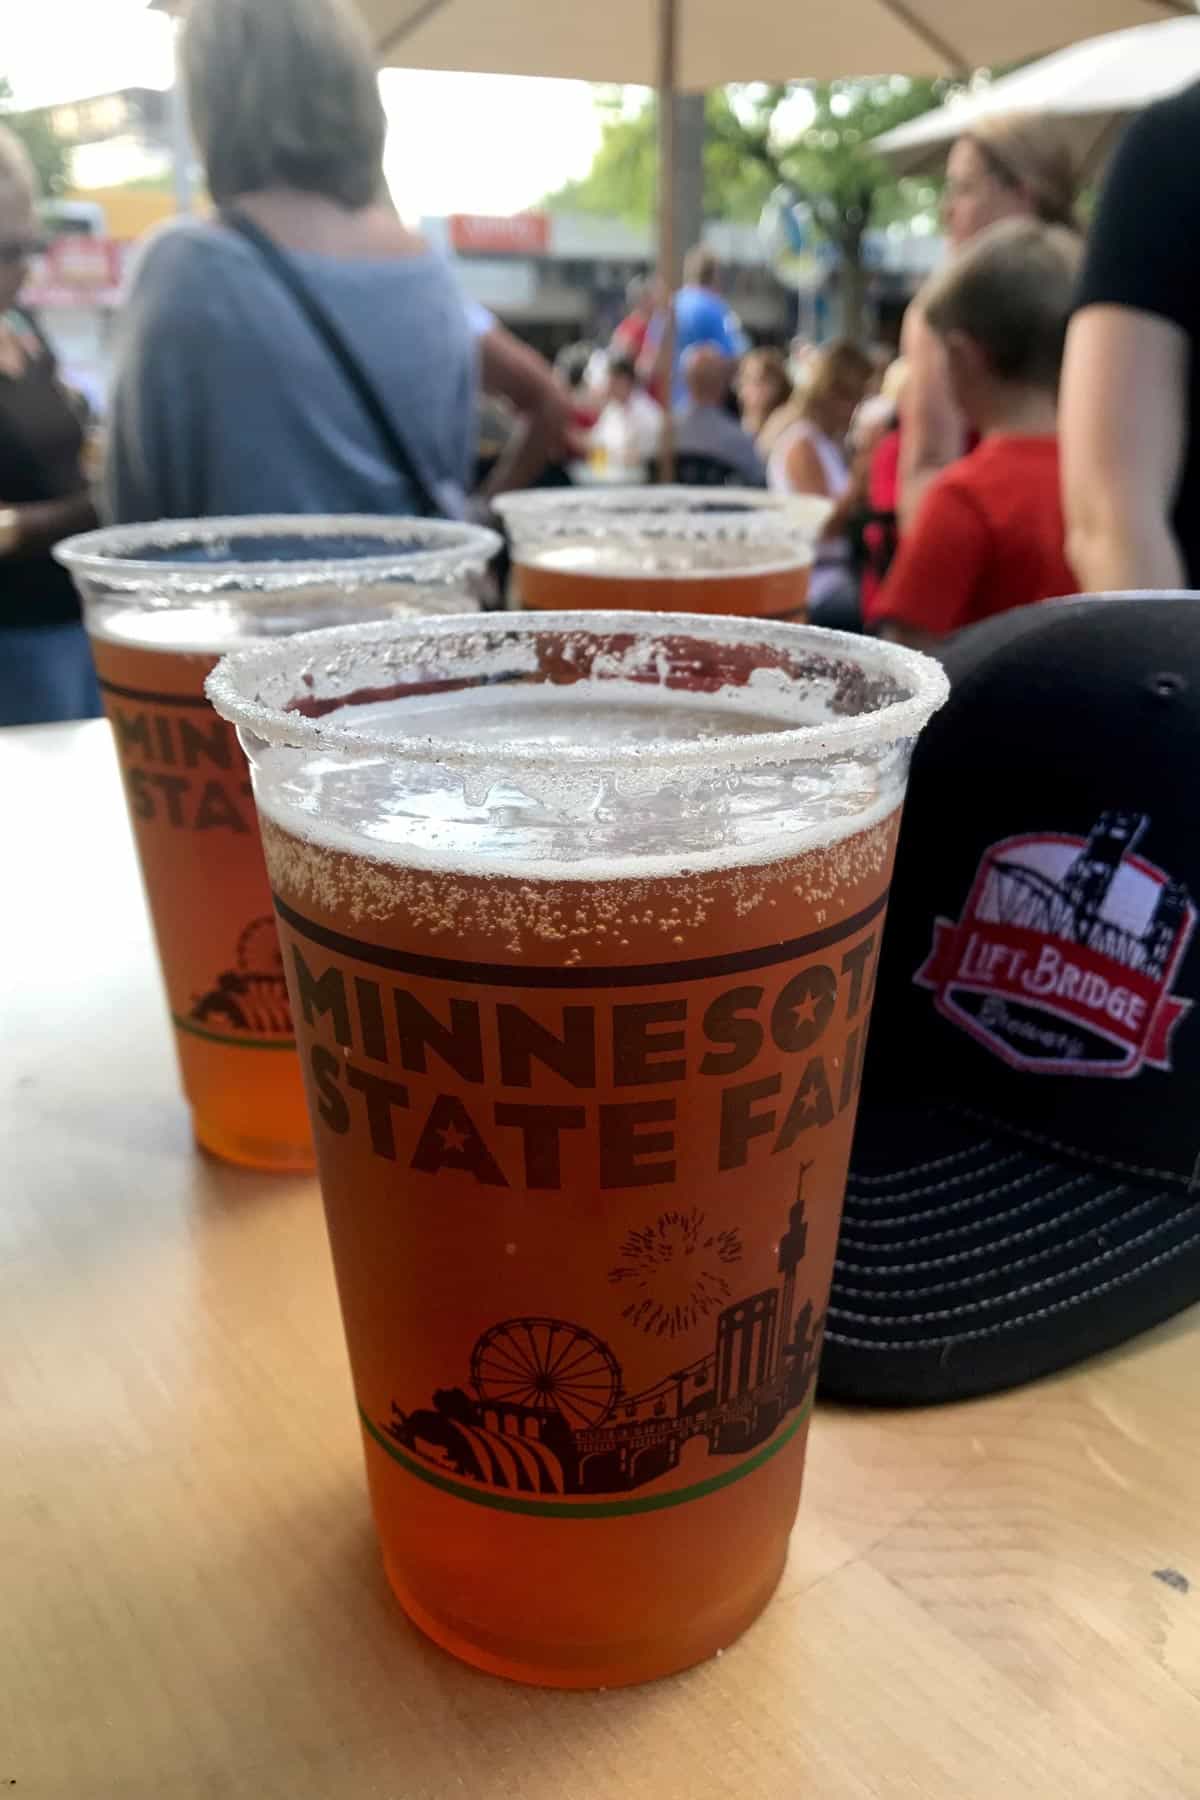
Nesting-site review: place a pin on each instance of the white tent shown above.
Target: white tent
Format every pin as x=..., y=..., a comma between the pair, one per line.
x=1089, y=90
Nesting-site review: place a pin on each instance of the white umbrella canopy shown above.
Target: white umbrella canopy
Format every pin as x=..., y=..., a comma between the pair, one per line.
x=1089, y=91
x=750, y=40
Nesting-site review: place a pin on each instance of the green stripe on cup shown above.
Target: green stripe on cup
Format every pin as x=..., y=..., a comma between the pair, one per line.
x=585, y=1509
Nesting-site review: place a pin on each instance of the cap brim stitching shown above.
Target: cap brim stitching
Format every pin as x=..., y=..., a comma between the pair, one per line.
x=1019, y=1293
x=934, y=1187
x=969, y=1200
x=1029, y=1318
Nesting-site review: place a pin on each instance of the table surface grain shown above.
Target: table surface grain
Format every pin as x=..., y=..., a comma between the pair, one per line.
x=996, y=1599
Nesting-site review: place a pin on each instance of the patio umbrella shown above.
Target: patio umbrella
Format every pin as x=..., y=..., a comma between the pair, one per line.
x=716, y=42
x=1089, y=90
x=692, y=45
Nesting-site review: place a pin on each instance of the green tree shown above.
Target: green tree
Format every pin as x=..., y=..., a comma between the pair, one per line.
x=763, y=137
x=48, y=156
x=831, y=166
x=623, y=179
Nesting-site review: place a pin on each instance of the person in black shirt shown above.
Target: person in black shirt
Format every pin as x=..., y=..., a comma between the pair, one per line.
x=1129, y=427
x=45, y=664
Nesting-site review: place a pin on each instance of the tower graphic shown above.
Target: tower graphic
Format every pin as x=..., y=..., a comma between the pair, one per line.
x=1086, y=883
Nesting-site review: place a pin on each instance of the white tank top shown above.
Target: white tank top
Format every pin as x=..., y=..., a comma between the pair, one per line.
x=833, y=554
x=833, y=463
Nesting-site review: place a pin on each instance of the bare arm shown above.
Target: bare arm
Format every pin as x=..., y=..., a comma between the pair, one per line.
x=1122, y=432
x=932, y=432
x=516, y=373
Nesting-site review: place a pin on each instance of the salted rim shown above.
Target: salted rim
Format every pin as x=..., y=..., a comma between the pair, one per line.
x=110, y=556
x=233, y=687
x=701, y=512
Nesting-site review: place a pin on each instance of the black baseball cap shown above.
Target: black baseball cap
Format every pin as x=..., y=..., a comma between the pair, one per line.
x=1025, y=1181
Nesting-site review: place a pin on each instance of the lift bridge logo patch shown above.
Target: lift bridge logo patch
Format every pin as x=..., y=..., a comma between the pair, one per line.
x=1063, y=959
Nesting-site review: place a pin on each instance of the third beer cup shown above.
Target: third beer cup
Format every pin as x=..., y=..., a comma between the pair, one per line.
x=664, y=549
x=580, y=916
x=161, y=603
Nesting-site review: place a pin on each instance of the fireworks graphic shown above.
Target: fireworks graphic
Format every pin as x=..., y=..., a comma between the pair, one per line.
x=673, y=1269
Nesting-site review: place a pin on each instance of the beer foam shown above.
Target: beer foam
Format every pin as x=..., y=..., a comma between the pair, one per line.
x=578, y=911
x=569, y=748
x=661, y=558
x=544, y=822
x=182, y=631
x=221, y=624
x=623, y=712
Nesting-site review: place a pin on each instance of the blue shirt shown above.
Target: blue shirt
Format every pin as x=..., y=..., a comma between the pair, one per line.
x=227, y=401
x=701, y=317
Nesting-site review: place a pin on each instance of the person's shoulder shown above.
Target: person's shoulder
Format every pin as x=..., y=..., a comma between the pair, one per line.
x=1005, y=461
x=184, y=263
x=699, y=303
x=181, y=244
x=963, y=488
x=724, y=422
x=719, y=313
x=798, y=439
x=966, y=474
x=424, y=281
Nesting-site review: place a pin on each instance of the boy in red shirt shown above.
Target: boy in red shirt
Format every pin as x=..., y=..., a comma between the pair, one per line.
x=989, y=533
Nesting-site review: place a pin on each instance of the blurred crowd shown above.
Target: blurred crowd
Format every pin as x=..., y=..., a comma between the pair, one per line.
x=303, y=351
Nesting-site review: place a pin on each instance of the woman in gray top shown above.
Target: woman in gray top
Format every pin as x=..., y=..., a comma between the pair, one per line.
x=227, y=399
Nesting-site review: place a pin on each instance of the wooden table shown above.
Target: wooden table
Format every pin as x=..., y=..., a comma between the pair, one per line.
x=1000, y=1599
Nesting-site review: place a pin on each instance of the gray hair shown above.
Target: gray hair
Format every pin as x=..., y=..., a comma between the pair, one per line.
x=283, y=93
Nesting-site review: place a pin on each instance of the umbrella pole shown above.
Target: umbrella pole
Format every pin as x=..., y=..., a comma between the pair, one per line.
x=668, y=48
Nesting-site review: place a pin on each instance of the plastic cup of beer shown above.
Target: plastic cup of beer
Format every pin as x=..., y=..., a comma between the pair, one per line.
x=664, y=549
x=580, y=917
x=162, y=602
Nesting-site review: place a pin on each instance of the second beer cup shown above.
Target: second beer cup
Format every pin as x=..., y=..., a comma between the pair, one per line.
x=665, y=549
x=162, y=602
x=580, y=916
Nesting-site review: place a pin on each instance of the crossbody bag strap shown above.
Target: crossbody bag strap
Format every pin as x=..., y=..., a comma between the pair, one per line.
x=289, y=276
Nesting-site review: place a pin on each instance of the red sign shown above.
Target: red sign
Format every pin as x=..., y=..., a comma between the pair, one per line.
x=76, y=271
x=521, y=234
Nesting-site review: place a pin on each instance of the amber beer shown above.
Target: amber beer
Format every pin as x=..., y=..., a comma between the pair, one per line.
x=581, y=955
x=162, y=603
x=188, y=793
x=695, y=552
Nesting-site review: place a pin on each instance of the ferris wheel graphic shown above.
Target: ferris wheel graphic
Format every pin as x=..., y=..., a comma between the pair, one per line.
x=549, y=1366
